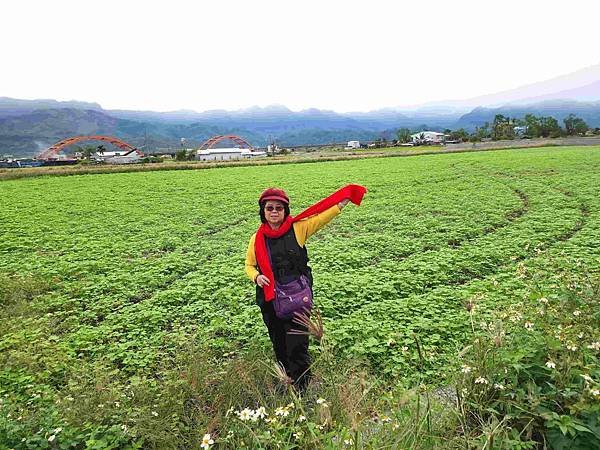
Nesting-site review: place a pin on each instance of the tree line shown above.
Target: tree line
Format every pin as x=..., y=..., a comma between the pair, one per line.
x=504, y=127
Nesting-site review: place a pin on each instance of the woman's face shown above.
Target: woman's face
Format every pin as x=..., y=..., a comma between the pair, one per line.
x=274, y=212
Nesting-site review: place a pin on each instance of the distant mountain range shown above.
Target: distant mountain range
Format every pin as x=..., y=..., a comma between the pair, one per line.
x=29, y=126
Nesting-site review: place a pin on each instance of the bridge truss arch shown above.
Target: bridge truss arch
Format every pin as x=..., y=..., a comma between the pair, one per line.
x=210, y=143
x=54, y=150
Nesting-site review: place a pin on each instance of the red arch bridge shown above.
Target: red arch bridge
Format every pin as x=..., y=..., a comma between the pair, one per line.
x=210, y=143
x=53, y=151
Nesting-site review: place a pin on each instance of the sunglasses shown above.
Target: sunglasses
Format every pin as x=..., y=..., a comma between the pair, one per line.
x=274, y=208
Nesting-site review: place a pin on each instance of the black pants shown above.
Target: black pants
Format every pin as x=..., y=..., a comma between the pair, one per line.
x=291, y=350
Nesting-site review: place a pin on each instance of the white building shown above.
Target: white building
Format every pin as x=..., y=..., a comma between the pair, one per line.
x=119, y=156
x=428, y=137
x=353, y=144
x=224, y=154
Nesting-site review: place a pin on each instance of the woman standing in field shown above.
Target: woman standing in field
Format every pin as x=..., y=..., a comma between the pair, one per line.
x=277, y=262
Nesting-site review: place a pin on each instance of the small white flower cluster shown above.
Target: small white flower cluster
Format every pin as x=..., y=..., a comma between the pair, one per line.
x=528, y=326
x=572, y=347
x=282, y=412
x=322, y=402
x=516, y=318
x=499, y=386
x=54, y=433
x=481, y=380
x=206, y=442
x=586, y=378
x=576, y=313
x=550, y=364
x=594, y=345
x=252, y=415
x=543, y=300
x=465, y=369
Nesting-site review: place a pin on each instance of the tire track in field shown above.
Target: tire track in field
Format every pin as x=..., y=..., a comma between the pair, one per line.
x=370, y=314
x=468, y=238
x=510, y=216
x=584, y=210
x=543, y=245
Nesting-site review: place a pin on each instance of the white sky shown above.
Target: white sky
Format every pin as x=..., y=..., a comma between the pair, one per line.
x=329, y=54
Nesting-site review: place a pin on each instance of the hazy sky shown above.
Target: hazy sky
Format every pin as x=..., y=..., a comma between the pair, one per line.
x=340, y=55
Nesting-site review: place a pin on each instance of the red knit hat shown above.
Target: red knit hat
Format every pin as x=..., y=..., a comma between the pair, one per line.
x=274, y=194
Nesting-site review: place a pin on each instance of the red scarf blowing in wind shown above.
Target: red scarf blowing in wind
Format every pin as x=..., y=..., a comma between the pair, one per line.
x=353, y=192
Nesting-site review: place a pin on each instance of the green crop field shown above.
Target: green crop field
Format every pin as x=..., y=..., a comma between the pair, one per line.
x=111, y=281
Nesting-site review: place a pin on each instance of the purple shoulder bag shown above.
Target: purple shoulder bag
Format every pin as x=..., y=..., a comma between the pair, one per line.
x=292, y=297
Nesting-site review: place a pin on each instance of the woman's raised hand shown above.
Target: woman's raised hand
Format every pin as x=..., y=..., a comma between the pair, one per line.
x=343, y=203
x=262, y=281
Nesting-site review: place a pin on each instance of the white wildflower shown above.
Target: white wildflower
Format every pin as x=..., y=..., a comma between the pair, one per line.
x=245, y=414
x=404, y=348
x=386, y=419
x=154, y=413
x=481, y=380
x=465, y=368
x=516, y=318
x=51, y=438
x=586, y=378
x=57, y=430
x=543, y=300
x=297, y=435
x=529, y=326
x=499, y=386
x=260, y=413
x=576, y=313
x=206, y=442
x=594, y=345
x=595, y=392
x=550, y=364
x=301, y=419
x=282, y=412
x=348, y=442
x=572, y=347
x=321, y=401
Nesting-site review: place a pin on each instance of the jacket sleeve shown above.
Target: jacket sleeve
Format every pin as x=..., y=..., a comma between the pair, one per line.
x=309, y=226
x=251, y=265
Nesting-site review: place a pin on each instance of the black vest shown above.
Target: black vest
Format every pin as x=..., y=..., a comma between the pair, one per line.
x=288, y=260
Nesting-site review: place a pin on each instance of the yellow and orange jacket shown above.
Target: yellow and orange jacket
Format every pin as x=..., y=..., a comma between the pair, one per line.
x=303, y=230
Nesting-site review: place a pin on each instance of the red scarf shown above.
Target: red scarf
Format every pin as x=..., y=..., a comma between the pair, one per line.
x=353, y=192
